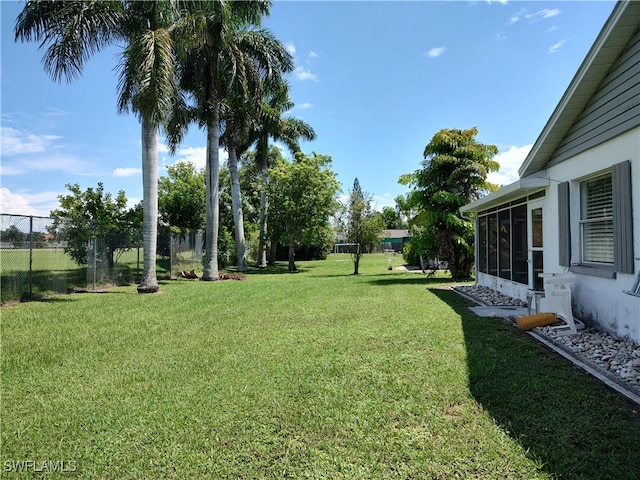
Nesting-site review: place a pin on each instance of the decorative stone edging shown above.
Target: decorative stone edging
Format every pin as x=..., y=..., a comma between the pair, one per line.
x=616, y=358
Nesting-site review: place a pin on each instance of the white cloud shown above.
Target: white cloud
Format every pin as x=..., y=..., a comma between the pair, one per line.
x=549, y=12
x=291, y=48
x=534, y=17
x=39, y=204
x=302, y=74
x=554, y=48
x=435, y=52
x=15, y=142
x=543, y=14
x=510, y=161
x=56, y=112
x=198, y=156
x=127, y=172
x=133, y=201
x=48, y=162
x=381, y=201
x=311, y=56
x=304, y=105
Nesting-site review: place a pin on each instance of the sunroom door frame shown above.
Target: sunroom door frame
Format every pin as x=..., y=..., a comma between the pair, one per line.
x=535, y=233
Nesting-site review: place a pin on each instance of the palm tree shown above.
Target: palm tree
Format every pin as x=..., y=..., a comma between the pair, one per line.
x=274, y=126
x=236, y=118
x=229, y=58
x=147, y=86
x=74, y=31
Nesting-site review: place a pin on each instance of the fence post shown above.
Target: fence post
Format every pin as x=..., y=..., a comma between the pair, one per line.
x=95, y=263
x=30, y=289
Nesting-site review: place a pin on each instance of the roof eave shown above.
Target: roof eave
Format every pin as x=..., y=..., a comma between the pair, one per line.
x=580, y=90
x=517, y=189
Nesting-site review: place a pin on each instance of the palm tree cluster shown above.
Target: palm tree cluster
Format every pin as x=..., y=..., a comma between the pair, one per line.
x=183, y=62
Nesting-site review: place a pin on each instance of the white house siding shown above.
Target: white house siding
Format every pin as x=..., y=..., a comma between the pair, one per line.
x=597, y=299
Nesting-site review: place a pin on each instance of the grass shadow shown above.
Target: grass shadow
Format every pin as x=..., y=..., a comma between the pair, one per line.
x=410, y=279
x=563, y=418
x=277, y=269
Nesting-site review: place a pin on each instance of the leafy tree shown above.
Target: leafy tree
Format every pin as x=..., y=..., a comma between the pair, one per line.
x=272, y=124
x=454, y=173
x=73, y=31
x=303, y=194
x=392, y=218
x=181, y=197
x=14, y=235
x=241, y=115
x=361, y=224
x=227, y=53
x=92, y=214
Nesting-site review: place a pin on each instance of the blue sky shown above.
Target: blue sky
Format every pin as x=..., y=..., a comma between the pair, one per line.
x=375, y=79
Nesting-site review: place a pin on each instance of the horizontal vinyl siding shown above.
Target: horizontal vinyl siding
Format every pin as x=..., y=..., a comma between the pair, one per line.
x=614, y=109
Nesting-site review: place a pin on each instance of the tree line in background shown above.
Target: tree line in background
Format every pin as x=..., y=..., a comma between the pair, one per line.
x=210, y=63
x=305, y=217
x=182, y=62
x=305, y=214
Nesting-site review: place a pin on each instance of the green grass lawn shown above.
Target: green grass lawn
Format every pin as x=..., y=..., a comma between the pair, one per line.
x=319, y=374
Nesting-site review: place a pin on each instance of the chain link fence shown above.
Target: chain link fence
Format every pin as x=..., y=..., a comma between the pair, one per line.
x=32, y=258
x=187, y=251
x=35, y=258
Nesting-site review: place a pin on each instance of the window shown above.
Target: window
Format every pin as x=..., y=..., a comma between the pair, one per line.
x=596, y=220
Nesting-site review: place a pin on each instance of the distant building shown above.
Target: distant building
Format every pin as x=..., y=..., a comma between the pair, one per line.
x=393, y=240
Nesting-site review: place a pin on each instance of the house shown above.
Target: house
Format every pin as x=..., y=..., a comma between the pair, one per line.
x=576, y=207
x=393, y=240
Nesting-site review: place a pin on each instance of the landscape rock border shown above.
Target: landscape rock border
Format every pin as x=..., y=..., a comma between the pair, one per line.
x=617, y=359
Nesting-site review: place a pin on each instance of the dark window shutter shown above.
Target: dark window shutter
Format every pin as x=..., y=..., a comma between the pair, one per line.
x=564, y=224
x=622, y=217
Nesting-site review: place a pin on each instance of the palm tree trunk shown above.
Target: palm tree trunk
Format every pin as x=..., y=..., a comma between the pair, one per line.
x=236, y=206
x=292, y=256
x=149, y=282
x=264, y=209
x=212, y=202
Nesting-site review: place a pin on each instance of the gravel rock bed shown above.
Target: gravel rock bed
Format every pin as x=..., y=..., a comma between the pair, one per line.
x=616, y=358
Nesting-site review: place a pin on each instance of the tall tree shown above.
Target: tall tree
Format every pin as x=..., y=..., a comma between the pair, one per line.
x=454, y=173
x=73, y=31
x=227, y=54
x=242, y=114
x=181, y=197
x=147, y=87
x=274, y=125
x=305, y=194
x=361, y=225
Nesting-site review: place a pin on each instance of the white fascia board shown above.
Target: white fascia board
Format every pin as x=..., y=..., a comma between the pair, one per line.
x=515, y=190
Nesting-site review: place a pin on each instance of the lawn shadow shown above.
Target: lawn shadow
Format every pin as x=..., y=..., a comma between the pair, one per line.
x=276, y=269
x=409, y=279
x=563, y=418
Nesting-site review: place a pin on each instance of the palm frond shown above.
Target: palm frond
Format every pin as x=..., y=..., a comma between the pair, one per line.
x=70, y=32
